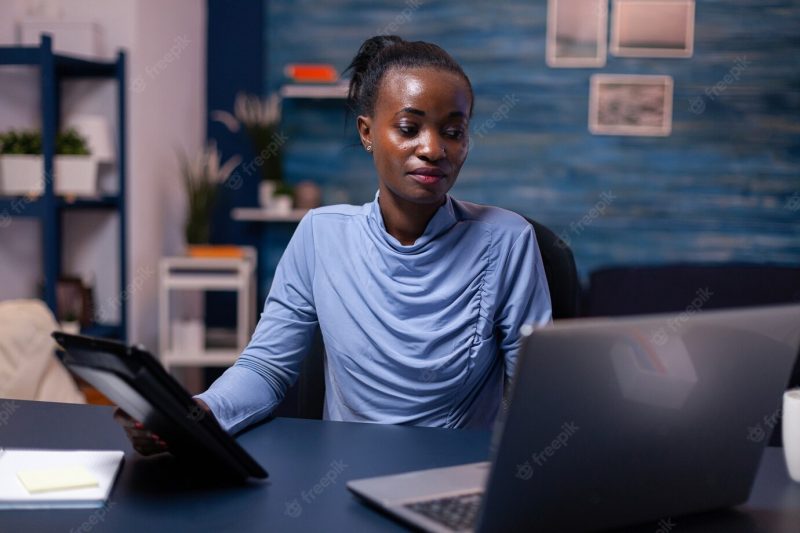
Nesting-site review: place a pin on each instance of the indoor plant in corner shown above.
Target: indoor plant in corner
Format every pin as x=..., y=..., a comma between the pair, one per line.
x=261, y=119
x=202, y=175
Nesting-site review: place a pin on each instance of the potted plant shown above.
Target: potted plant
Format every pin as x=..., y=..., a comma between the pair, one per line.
x=201, y=178
x=260, y=119
x=75, y=171
x=21, y=164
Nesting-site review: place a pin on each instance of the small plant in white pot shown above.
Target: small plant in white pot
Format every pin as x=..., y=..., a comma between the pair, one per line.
x=21, y=163
x=75, y=170
x=22, y=167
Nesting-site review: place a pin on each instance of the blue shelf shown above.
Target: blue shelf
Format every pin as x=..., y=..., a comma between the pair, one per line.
x=103, y=202
x=66, y=66
x=48, y=207
x=107, y=331
x=20, y=206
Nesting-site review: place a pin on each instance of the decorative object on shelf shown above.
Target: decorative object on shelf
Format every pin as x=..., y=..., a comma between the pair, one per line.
x=74, y=301
x=201, y=177
x=307, y=195
x=261, y=119
x=311, y=73
x=218, y=251
x=70, y=324
x=21, y=164
x=189, y=336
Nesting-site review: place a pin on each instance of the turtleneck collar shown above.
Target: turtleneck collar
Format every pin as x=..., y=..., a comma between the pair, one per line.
x=442, y=220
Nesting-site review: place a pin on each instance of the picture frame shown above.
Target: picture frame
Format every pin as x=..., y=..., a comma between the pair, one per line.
x=74, y=301
x=577, y=31
x=622, y=104
x=652, y=28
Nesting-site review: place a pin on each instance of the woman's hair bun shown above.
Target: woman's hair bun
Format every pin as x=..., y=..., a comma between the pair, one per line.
x=378, y=54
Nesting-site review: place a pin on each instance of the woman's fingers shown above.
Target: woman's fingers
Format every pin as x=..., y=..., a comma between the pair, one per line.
x=144, y=441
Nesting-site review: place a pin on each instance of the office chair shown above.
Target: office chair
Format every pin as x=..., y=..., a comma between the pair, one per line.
x=306, y=398
x=561, y=272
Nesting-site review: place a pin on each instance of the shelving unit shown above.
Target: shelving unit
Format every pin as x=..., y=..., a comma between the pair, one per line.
x=206, y=274
x=49, y=208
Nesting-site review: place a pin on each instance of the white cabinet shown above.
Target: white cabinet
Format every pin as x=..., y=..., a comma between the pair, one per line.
x=206, y=274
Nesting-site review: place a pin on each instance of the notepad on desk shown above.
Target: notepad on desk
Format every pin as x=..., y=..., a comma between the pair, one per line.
x=37, y=479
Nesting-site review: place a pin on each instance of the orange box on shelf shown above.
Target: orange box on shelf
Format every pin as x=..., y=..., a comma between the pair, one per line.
x=311, y=72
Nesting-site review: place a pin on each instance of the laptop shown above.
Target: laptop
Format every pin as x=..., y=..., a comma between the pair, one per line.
x=135, y=381
x=615, y=422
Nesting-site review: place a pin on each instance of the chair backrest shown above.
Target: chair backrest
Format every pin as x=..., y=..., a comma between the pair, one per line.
x=561, y=272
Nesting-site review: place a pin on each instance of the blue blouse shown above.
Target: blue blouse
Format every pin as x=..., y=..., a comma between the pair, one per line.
x=422, y=334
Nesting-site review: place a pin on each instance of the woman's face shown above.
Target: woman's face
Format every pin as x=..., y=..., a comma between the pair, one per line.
x=418, y=133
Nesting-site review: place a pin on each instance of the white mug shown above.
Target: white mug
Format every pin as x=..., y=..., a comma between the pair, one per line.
x=791, y=432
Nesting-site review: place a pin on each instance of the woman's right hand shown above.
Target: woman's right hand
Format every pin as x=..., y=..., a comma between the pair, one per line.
x=145, y=441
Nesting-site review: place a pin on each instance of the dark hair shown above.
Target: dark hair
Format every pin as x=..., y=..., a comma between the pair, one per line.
x=382, y=53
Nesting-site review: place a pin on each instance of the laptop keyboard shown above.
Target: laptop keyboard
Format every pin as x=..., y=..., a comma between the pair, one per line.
x=455, y=512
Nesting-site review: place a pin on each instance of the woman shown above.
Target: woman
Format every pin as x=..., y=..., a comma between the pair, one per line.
x=419, y=297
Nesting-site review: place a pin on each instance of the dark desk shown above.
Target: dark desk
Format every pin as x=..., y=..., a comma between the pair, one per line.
x=309, y=463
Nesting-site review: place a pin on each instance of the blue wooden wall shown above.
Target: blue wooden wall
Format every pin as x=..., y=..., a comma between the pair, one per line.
x=725, y=186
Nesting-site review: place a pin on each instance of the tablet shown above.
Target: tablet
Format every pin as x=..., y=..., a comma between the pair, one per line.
x=135, y=381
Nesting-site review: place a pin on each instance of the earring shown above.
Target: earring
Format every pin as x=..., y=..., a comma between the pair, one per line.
x=368, y=148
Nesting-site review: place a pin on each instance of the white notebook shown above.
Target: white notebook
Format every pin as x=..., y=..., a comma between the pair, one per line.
x=92, y=472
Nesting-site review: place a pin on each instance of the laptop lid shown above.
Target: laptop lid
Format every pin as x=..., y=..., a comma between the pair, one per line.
x=621, y=421
x=135, y=381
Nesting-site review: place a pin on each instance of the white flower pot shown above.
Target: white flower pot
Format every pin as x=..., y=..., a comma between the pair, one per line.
x=21, y=174
x=281, y=204
x=71, y=327
x=75, y=175
x=266, y=191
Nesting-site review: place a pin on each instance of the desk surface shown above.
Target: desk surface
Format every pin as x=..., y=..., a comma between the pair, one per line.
x=309, y=462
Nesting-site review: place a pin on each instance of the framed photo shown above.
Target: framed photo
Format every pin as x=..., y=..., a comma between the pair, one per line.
x=630, y=105
x=576, y=33
x=652, y=28
x=74, y=301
